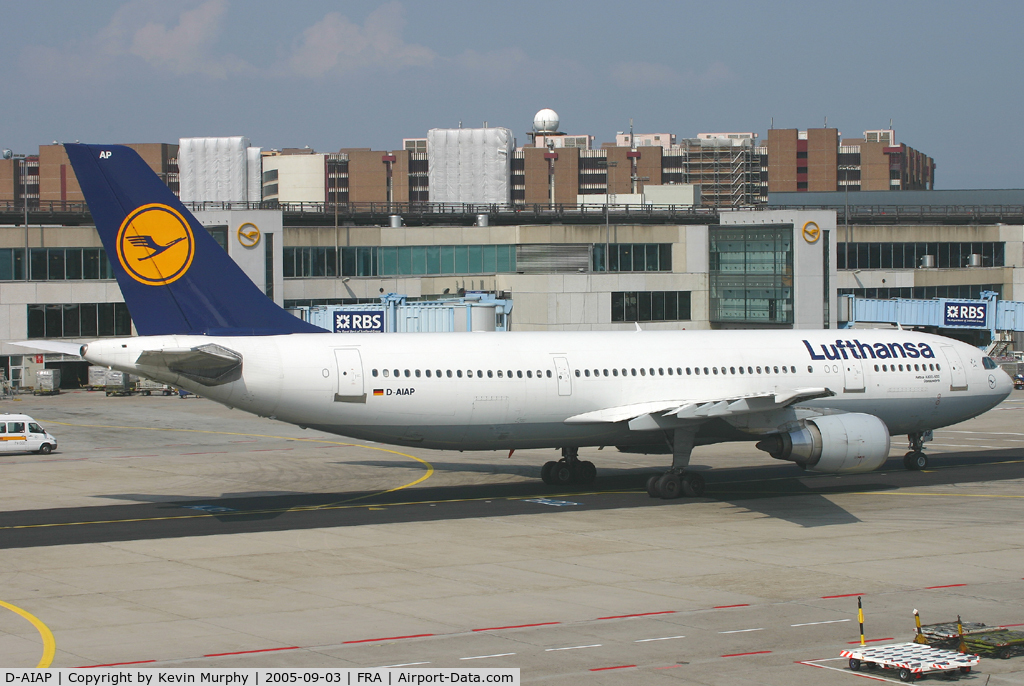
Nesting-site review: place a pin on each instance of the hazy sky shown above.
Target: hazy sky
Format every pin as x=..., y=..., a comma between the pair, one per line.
x=366, y=74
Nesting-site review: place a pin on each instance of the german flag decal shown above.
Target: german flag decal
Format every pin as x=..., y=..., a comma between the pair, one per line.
x=378, y=391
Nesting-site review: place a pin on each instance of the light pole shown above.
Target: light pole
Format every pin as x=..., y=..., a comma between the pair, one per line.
x=8, y=154
x=609, y=167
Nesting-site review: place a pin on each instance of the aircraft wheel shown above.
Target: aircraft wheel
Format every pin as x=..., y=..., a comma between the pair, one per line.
x=562, y=474
x=652, y=486
x=693, y=485
x=546, y=471
x=588, y=472
x=915, y=461
x=854, y=664
x=670, y=486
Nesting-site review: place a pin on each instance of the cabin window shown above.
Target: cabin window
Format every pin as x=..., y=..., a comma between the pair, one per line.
x=519, y=373
x=586, y=372
x=643, y=372
x=374, y=373
x=688, y=371
x=606, y=372
x=510, y=373
x=417, y=373
x=529, y=374
x=785, y=369
x=741, y=370
x=758, y=370
x=679, y=371
x=615, y=372
x=500, y=374
x=876, y=367
x=385, y=373
x=479, y=374
x=458, y=372
x=449, y=374
x=793, y=369
x=490, y=374
x=428, y=373
x=775, y=369
x=661, y=371
x=548, y=373
x=810, y=369
x=732, y=370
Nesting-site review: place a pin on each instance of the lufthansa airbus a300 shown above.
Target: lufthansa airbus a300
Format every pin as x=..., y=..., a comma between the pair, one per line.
x=827, y=400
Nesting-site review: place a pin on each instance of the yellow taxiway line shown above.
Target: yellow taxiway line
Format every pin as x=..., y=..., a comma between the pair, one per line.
x=49, y=644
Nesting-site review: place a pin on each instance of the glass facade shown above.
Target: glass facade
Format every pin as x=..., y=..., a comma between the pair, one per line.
x=633, y=257
x=56, y=264
x=751, y=274
x=76, y=320
x=651, y=306
x=413, y=260
x=966, y=291
x=951, y=255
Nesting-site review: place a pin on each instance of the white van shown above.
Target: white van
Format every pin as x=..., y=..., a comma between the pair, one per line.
x=20, y=432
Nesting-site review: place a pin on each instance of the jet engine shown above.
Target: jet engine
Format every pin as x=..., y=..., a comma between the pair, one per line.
x=834, y=444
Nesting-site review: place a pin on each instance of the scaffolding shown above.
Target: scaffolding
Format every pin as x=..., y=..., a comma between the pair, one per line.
x=727, y=170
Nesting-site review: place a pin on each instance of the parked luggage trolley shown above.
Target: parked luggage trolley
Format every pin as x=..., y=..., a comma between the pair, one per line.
x=1001, y=643
x=910, y=660
x=949, y=635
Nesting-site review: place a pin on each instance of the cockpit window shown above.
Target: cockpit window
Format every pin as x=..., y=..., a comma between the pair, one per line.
x=988, y=363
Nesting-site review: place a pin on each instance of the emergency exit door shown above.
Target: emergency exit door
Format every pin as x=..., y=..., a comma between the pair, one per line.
x=853, y=376
x=350, y=376
x=957, y=375
x=562, y=370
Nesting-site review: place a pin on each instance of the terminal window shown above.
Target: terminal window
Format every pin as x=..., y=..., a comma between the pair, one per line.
x=651, y=306
x=632, y=257
x=947, y=255
x=76, y=320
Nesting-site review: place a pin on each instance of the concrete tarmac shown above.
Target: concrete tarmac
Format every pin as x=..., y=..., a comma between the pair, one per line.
x=170, y=532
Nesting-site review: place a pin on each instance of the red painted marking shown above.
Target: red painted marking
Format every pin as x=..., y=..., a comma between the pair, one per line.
x=844, y=595
x=641, y=614
x=756, y=652
x=809, y=664
x=248, y=652
x=669, y=667
x=928, y=588
x=117, y=664
x=218, y=452
x=389, y=638
x=601, y=669
x=872, y=640
x=723, y=607
x=517, y=626
x=1003, y=626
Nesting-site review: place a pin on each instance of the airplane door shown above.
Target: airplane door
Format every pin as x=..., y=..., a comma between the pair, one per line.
x=350, y=376
x=854, y=381
x=562, y=370
x=958, y=377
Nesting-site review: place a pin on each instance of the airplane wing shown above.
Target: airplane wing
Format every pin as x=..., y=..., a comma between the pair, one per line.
x=210, y=365
x=656, y=414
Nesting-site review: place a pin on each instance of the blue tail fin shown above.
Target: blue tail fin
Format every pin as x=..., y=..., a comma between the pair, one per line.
x=174, y=276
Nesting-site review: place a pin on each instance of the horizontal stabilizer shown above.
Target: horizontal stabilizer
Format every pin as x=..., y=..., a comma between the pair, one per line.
x=65, y=347
x=210, y=365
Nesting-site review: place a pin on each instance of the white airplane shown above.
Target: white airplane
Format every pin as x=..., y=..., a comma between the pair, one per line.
x=826, y=400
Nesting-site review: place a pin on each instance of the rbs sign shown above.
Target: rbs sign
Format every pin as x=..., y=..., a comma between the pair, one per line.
x=348, y=321
x=965, y=314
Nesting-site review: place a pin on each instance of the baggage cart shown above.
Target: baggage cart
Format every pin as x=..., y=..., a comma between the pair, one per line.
x=996, y=642
x=118, y=383
x=47, y=382
x=910, y=660
x=97, y=378
x=149, y=387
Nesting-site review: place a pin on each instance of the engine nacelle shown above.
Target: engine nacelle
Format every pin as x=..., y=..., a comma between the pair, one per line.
x=834, y=444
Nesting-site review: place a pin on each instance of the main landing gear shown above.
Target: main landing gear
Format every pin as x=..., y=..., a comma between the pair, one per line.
x=569, y=470
x=916, y=459
x=676, y=481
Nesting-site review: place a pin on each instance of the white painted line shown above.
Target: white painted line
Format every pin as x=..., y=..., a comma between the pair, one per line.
x=987, y=433
x=740, y=631
x=481, y=657
x=831, y=621
x=552, y=650
x=971, y=445
x=662, y=638
x=404, y=664
x=873, y=674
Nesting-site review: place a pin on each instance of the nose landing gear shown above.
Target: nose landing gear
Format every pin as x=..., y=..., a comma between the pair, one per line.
x=569, y=470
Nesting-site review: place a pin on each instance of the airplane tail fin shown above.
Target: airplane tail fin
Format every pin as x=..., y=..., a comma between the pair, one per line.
x=174, y=276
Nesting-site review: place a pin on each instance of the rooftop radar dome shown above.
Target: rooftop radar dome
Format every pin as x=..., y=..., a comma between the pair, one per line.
x=546, y=121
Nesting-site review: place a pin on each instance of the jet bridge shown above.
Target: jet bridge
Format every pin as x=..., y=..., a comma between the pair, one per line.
x=942, y=313
x=395, y=313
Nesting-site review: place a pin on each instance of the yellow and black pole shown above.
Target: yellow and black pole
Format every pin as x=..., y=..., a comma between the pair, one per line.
x=960, y=632
x=860, y=618
x=920, y=636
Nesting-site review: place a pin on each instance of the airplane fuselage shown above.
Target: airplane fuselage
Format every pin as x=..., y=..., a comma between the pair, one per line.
x=482, y=391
